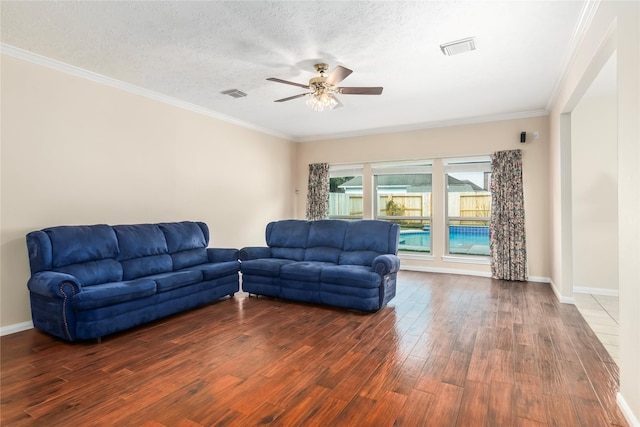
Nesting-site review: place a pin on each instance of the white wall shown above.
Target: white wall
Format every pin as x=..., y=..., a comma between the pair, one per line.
x=594, y=168
x=467, y=140
x=79, y=152
x=613, y=30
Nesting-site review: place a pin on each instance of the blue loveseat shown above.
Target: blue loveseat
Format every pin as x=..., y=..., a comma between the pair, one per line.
x=90, y=281
x=349, y=264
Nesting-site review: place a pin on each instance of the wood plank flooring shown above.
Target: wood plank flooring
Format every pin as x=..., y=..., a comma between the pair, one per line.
x=448, y=351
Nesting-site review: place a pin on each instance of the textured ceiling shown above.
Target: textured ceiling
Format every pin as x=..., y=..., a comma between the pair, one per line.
x=191, y=51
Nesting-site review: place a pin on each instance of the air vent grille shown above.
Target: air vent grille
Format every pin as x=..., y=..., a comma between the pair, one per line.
x=458, y=46
x=234, y=93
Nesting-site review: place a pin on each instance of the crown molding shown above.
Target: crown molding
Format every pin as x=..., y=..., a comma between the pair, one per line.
x=579, y=33
x=63, y=67
x=428, y=125
x=127, y=87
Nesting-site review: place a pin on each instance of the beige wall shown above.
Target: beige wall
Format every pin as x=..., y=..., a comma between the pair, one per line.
x=467, y=140
x=613, y=30
x=594, y=168
x=79, y=152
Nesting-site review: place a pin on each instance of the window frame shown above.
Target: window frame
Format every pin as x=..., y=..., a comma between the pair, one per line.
x=404, y=168
x=464, y=165
x=342, y=171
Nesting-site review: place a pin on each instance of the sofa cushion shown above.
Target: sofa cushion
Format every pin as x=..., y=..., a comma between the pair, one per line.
x=146, y=266
x=141, y=240
x=327, y=233
x=351, y=275
x=216, y=270
x=175, y=279
x=82, y=243
x=269, y=267
x=182, y=236
x=372, y=235
x=288, y=238
x=290, y=233
x=364, y=258
x=112, y=293
x=294, y=254
x=323, y=254
x=188, y=258
x=94, y=272
x=304, y=270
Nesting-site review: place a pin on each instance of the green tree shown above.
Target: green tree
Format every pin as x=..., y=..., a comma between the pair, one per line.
x=394, y=209
x=335, y=183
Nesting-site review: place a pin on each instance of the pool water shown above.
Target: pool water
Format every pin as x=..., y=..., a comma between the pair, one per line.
x=462, y=240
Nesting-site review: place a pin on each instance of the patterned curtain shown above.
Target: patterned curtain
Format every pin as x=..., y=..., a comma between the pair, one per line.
x=506, y=236
x=318, y=191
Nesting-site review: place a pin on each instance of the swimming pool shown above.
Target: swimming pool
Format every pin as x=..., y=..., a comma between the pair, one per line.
x=463, y=240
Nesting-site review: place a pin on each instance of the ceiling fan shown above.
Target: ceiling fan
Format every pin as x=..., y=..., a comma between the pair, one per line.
x=323, y=88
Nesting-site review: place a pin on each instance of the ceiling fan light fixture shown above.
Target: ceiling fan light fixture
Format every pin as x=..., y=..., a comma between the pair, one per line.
x=322, y=101
x=458, y=46
x=322, y=88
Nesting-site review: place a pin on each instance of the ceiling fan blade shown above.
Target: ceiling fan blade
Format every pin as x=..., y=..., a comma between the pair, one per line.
x=339, y=104
x=291, y=97
x=337, y=75
x=273, y=79
x=360, y=90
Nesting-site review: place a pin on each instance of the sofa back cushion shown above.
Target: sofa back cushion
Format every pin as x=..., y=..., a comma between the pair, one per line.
x=143, y=250
x=81, y=243
x=367, y=239
x=140, y=240
x=325, y=241
x=288, y=238
x=182, y=236
x=86, y=251
x=186, y=243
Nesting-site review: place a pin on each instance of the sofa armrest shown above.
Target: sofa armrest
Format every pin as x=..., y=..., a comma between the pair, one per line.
x=54, y=285
x=254, y=252
x=386, y=264
x=222, y=254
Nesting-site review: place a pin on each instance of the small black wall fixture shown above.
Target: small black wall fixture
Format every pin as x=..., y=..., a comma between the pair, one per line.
x=523, y=137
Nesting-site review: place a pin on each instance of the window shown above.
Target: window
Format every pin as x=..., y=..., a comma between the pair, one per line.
x=468, y=206
x=345, y=192
x=402, y=194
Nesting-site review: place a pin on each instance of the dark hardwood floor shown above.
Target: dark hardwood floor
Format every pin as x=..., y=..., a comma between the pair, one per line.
x=448, y=351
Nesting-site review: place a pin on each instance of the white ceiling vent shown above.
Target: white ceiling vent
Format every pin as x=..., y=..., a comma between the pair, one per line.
x=458, y=46
x=235, y=93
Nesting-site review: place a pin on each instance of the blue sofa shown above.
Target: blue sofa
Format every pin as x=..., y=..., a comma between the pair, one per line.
x=90, y=281
x=349, y=264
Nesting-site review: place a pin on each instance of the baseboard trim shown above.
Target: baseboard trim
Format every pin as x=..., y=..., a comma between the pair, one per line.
x=539, y=279
x=445, y=270
x=626, y=411
x=17, y=327
x=559, y=297
x=595, y=291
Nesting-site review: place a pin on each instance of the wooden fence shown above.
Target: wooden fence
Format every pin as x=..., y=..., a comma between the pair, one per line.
x=412, y=205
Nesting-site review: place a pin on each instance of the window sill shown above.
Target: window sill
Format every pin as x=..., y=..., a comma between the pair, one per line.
x=467, y=260
x=415, y=256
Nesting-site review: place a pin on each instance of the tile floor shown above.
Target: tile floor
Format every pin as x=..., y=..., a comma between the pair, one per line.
x=601, y=313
